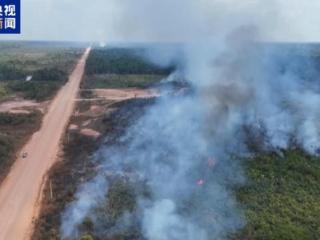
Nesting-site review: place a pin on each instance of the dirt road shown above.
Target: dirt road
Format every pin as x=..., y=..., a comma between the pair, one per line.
x=19, y=193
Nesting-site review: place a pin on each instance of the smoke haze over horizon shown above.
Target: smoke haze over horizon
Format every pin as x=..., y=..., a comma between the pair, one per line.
x=128, y=21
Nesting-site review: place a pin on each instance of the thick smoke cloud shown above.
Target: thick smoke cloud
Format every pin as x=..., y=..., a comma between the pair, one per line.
x=101, y=20
x=89, y=195
x=187, y=149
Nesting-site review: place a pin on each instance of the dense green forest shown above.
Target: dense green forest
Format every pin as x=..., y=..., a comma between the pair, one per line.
x=14, y=130
x=122, y=68
x=120, y=80
x=282, y=198
x=46, y=68
x=122, y=61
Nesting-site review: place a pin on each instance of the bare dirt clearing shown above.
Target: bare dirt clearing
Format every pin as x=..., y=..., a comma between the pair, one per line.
x=125, y=93
x=19, y=193
x=99, y=105
x=14, y=104
x=23, y=106
x=120, y=94
x=90, y=133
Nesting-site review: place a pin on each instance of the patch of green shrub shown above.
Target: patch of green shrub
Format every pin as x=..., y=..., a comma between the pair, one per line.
x=35, y=90
x=6, y=148
x=50, y=74
x=121, y=198
x=11, y=72
x=121, y=81
x=17, y=119
x=282, y=199
x=3, y=92
x=87, y=237
x=121, y=61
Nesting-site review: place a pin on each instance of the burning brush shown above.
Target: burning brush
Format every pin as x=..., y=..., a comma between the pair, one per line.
x=211, y=164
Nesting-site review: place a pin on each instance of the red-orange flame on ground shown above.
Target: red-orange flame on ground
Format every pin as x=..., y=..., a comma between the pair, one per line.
x=200, y=182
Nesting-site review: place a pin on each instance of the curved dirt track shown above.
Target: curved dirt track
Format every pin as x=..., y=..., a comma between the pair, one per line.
x=20, y=191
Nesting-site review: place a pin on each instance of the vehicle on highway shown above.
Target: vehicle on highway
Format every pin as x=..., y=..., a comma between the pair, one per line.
x=24, y=155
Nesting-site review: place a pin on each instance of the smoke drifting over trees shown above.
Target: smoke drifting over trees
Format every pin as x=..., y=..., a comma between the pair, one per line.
x=186, y=150
x=103, y=20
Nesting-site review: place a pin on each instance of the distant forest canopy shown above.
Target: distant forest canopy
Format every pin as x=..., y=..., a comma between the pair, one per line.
x=12, y=72
x=19, y=60
x=35, y=70
x=123, y=61
x=133, y=60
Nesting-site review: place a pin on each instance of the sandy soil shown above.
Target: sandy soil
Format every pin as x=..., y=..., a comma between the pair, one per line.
x=15, y=104
x=20, y=191
x=73, y=127
x=90, y=133
x=19, y=111
x=124, y=93
x=23, y=106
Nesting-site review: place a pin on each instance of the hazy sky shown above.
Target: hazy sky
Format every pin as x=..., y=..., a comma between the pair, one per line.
x=162, y=20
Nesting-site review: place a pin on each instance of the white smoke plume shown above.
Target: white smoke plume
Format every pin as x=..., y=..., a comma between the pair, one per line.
x=89, y=195
x=187, y=148
x=126, y=20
